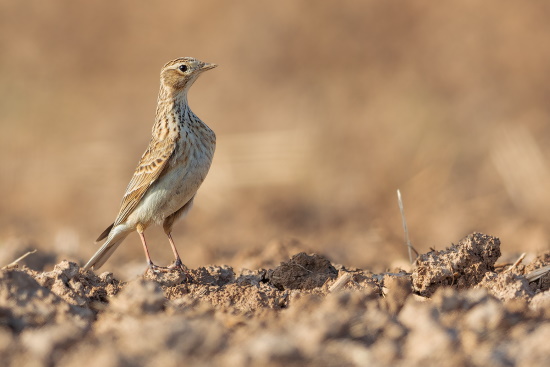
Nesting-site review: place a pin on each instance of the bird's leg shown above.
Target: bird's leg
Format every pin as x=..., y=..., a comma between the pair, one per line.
x=178, y=264
x=142, y=236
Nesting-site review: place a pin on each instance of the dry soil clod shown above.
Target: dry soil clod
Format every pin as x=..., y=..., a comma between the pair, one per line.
x=461, y=266
x=302, y=271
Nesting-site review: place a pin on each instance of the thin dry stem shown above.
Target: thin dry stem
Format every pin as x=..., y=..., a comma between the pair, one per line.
x=410, y=248
x=340, y=283
x=15, y=263
x=518, y=261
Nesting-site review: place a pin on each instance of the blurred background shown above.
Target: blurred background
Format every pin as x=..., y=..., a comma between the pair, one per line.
x=322, y=111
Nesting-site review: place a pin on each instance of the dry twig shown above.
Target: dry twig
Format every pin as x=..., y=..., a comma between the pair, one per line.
x=407, y=240
x=514, y=265
x=15, y=263
x=340, y=283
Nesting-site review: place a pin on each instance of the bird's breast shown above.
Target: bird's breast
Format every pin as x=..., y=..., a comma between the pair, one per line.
x=184, y=173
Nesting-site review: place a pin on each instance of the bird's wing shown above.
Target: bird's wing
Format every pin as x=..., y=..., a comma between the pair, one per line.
x=150, y=167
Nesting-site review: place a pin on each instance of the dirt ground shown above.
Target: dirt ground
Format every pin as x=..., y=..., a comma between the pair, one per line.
x=457, y=307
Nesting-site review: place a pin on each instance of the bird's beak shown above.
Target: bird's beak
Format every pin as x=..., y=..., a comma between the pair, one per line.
x=206, y=66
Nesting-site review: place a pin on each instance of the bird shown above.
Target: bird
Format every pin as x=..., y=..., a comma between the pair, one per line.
x=171, y=169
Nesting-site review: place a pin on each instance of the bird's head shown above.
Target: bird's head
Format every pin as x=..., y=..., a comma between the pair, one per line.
x=179, y=74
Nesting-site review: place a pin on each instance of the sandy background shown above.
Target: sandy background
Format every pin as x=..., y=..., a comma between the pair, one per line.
x=322, y=111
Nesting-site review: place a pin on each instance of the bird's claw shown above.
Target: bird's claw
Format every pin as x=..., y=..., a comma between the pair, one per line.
x=177, y=265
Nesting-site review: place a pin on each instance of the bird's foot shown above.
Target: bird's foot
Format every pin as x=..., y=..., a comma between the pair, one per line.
x=178, y=265
x=165, y=276
x=155, y=268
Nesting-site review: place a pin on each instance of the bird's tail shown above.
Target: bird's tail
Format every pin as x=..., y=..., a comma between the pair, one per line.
x=105, y=252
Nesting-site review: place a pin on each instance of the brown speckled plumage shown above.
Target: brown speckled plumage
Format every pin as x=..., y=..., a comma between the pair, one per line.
x=172, y=168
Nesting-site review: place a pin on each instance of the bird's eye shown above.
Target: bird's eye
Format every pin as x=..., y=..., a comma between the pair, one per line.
x=183, y=68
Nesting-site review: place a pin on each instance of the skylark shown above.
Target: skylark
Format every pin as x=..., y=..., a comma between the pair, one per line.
x=170, y=171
